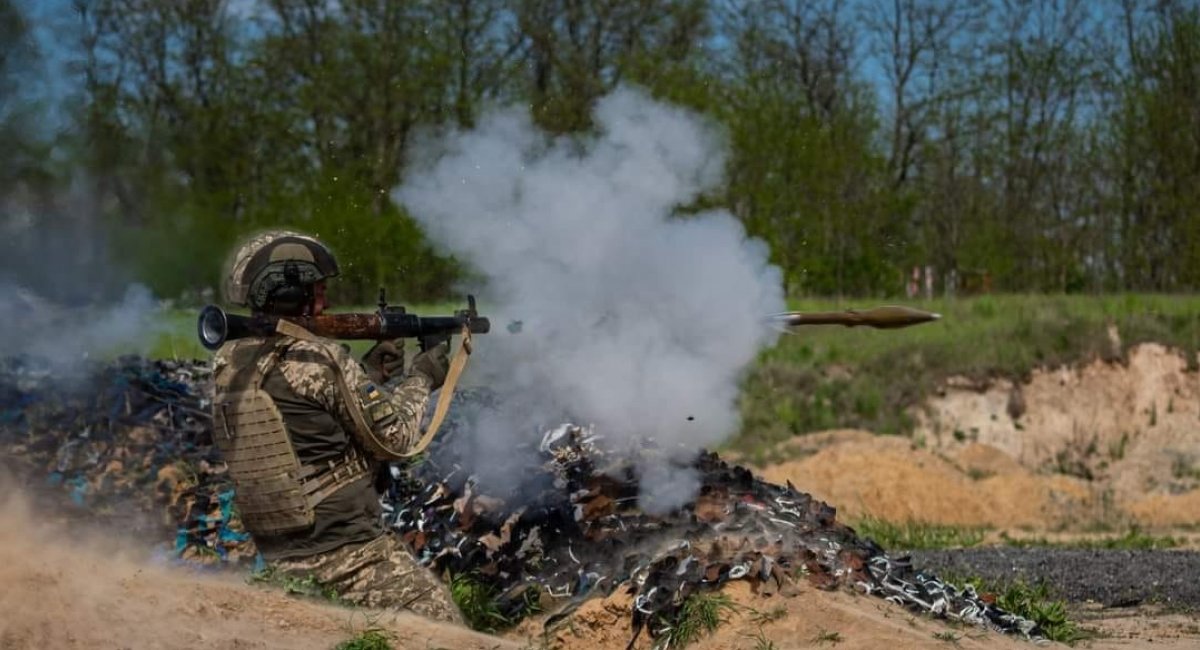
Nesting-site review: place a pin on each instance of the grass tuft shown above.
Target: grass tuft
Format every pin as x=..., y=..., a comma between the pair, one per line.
x=914, y=535
x=701, y=614
x=825, y=636
x=308, y=586
x=478, y=603
x=761, y=642
x=1032, y=601
x=373, y=639
x=770, y=616
x=948, y=637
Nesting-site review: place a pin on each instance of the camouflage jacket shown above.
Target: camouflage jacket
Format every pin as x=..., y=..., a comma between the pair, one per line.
x=303, y=385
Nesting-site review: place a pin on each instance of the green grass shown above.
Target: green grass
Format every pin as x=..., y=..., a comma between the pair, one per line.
x=825, y=636
x=478, y=603
x=912, y=536
x=948, y=637
x=830, y=376
x=701, y=614
x=916, y=536
x=373, y=639
x=1032, y=601
x=760, y=641
x=770, y=616
x=1135, y=539
x=307, y=586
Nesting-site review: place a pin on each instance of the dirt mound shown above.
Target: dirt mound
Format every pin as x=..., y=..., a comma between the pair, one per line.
x=1130, y=430
x=843, y=620
x=1101, y=445
x=809, y=619
x=889, y=478
x=84, y=591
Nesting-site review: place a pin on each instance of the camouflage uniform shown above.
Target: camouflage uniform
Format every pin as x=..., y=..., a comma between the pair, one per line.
x=346, y=547
x=381, y=574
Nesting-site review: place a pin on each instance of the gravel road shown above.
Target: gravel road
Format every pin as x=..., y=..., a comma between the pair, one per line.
x=1113, y=578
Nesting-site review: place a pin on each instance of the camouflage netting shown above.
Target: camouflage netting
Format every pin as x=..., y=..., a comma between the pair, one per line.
x=130, y=445
x=127, y=444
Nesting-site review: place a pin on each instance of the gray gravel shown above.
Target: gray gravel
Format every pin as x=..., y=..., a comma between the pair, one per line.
x=1113, y=578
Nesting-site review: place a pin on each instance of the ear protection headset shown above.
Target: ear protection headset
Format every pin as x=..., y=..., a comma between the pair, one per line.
x=292, y=296
x=284, y=287
x=287, y=271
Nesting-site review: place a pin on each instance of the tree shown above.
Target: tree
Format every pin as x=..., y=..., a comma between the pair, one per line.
x=20, y=155
x=576, y=51
x=1157, y=143
x=803, y=173
x=920, y=45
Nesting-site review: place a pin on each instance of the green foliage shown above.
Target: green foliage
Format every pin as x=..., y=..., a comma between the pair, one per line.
x=1035, y=602
x=478, y=603
x=175, y=336
x=794, y=180
x=1160, y=166
x=1134, y=539
x=308, y=586
x=701, y=614
x=825, y=636
x=948, y=637
x=1075, y=171
x=373, y=639
x=770, y=616
x=913, y=536
x=761, y=642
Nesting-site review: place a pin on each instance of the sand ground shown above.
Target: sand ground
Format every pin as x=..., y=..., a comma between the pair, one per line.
x=70, y=589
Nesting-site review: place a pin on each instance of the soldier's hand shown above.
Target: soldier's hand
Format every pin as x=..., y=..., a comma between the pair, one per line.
x=383, y=361
x=433, y=363
x=432, y=341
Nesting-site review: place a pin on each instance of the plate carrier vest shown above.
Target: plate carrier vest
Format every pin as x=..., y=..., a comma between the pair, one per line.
x=275, y=493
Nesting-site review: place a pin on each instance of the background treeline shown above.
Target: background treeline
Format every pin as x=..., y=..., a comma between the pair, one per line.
x=1053, y=144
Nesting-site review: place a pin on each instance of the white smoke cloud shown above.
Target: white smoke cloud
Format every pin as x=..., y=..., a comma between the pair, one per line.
x=65, y=335
x=62, y=296
x=631, y=319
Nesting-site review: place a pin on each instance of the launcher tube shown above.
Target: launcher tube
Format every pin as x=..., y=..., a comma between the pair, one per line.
x=215, y=326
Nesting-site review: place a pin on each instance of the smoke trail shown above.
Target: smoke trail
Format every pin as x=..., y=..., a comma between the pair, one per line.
x=631, y=319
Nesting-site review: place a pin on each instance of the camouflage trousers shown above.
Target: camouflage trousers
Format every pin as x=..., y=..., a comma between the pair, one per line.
x=380, y=574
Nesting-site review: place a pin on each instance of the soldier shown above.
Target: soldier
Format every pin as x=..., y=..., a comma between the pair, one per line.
x=303, y=427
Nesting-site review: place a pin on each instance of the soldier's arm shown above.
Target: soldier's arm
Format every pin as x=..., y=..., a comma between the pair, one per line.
x=392, y=412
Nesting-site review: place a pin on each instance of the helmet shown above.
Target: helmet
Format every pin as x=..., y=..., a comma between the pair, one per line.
x=275, y=270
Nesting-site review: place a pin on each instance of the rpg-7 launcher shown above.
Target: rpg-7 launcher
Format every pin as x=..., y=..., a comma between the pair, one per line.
x=889, y=317
x=215, y=326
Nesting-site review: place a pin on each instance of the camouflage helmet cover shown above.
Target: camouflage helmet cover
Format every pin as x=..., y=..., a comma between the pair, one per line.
x=258, y=264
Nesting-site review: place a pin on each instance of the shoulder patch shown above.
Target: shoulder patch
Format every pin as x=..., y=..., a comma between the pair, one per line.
x=376, y=404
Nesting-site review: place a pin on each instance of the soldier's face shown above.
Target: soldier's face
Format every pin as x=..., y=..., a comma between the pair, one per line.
x=320, y=302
